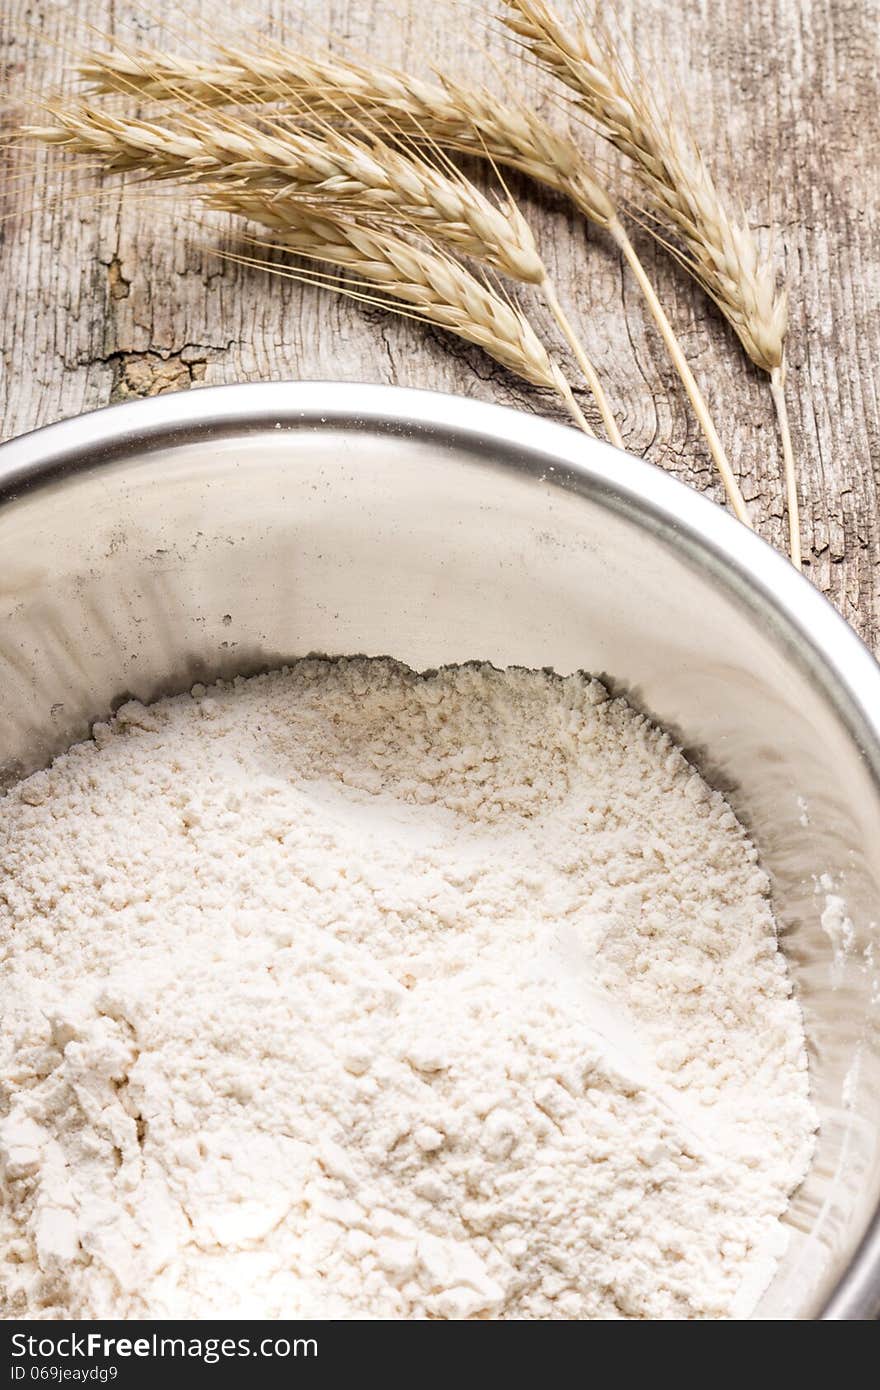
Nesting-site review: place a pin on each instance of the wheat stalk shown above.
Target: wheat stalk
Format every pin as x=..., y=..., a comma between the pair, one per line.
x=469, y=120
x=720, y=249
x=339, y=174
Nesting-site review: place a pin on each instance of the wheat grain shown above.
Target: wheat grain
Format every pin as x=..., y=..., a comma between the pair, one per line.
x=720, y=249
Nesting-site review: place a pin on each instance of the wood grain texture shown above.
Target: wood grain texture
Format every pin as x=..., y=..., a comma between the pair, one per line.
x=125, y=295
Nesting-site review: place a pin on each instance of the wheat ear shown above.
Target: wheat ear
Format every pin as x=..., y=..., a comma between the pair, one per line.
x=437, y=288
x=720, y=249
x=469, y=120
x=419, y=281
x=339, y=174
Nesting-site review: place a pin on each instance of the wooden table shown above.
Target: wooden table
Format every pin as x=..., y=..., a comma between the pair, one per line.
x=106, y=298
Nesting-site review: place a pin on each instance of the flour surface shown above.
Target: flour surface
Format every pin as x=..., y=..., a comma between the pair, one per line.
x=346, y=992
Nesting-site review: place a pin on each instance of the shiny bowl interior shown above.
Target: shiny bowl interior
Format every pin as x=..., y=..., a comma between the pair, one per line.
x=162, y=542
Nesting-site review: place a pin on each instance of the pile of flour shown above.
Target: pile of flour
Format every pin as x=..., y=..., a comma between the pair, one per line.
x=347, y=992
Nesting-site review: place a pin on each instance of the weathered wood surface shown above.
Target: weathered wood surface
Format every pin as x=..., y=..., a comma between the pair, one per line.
x=125, y=296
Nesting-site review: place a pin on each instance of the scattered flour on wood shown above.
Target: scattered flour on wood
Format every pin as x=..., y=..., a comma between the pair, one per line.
x=345, y=992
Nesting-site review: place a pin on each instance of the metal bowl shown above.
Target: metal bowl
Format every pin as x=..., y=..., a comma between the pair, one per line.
x=162, y=542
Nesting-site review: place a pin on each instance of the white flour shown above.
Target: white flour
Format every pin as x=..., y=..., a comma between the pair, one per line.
x=343, y=992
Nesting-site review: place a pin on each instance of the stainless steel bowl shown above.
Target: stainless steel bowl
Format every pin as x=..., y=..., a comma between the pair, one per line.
x=153, y=544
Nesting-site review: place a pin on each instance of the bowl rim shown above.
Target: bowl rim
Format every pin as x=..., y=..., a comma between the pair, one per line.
x=555, y=454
